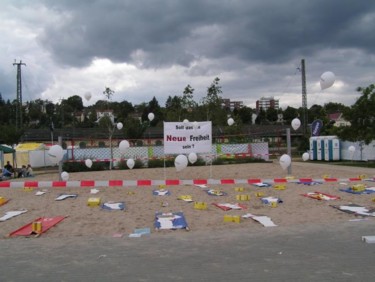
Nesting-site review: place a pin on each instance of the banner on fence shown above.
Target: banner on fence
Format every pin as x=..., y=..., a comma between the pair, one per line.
x=184, y=138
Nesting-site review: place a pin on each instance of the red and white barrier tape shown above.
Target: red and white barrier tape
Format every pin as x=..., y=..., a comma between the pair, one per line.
x=167, y=182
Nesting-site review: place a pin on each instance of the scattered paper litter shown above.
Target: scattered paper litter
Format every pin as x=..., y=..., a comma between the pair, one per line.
x=232, y=206
x=40, y=193
x=161, y=192
x=114, y=206
x=201, y=186
x=94, y=191
x=65, y=196
x=140, y=232
x=357, y=210
x=11, y=214
x=262, y=219
x=262, y=184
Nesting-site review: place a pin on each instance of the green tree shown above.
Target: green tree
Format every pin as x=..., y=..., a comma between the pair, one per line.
x=261, y=117
x=289, y=114
x=108, y=93
x=245, y=114
x=332, y=108
x=75, y=103
x=152, y=107
x=271, y=115
x=187, y=102
x=173, y=109
x=134, y=128
x=361, y=115
x=9, y=134
x=212, y=104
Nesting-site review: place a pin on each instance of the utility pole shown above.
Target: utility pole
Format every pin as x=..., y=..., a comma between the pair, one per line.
x=19, y=122
x=304, y=97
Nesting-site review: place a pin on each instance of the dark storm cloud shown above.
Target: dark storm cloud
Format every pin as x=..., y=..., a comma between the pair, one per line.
x=178, y=32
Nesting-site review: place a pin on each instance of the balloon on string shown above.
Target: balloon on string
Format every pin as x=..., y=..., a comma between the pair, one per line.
x=351, y=149
x=180, y=162
x=55, y=153
x=151, y=116
x=192, y=157
x=327, y=79
x=305, y=156
x=195, y=125
x=230, y=121
x=119, y=125
x=87, y=96
x=296, y=123
x=65, y=176
x=88, y=163
x=123, y=146
x=130, y=163
x=285, y=161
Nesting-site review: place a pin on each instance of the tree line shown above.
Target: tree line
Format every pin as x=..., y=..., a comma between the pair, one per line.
x=71, y=113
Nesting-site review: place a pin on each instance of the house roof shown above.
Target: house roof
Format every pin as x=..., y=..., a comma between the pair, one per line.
x=334, y=116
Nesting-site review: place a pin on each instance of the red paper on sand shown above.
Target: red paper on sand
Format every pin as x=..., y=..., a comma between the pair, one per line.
x=47, y=223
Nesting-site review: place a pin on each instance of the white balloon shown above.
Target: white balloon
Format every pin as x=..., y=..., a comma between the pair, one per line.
x=285, y=161
x=87, y=96
x=192, y=157
x=65, y=176
x=55, y=153
x=88, y=163
x=305, y=156
x=351, y=149
x=151, y=116
x=123, y=146
x=327, y=79
x=230, y=121
x=130, y=163
x=119, y=125
x=195, y=124
x=296, y=123
x=180, y=162
x=186, y=121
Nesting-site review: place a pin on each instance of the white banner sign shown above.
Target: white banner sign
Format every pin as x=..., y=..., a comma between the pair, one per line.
x=185, y=138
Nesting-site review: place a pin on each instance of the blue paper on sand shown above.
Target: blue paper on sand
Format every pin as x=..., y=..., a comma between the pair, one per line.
x=140, y=232
x=310, y=183
x=350, y=190
x=161, y=193
x=262, y=184
x=113, y=206
x=213, y=192
x=172, y=220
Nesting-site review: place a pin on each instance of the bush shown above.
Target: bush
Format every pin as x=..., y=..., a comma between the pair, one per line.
x=160, y=163
x=80, y=166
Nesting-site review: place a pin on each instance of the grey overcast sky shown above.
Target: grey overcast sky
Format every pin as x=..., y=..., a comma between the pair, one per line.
x=146, y=48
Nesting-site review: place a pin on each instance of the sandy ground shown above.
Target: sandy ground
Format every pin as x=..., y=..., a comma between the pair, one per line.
x=141, y=204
